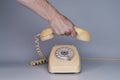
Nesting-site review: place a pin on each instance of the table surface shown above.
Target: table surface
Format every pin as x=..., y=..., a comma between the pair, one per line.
x=91, y=70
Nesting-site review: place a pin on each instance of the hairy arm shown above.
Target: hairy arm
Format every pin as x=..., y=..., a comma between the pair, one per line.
x=59, y=23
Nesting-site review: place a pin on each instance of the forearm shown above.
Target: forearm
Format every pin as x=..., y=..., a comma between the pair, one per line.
x=58, y=23
x=42, y=7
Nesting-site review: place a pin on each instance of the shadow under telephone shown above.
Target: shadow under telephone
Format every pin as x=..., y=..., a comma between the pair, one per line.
x=63, y=58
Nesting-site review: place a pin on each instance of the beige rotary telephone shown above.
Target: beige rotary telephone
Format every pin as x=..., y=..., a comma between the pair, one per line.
x=63, y=58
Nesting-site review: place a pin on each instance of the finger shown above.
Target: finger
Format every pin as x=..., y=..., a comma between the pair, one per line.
x=61, y=32
x=56, y=31
x=73, y=33
x=68, y=33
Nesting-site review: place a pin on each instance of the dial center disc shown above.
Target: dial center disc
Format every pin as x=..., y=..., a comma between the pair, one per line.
x=64, y=53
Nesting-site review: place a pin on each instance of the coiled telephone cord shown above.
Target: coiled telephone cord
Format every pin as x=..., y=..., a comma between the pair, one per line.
x=43, y=59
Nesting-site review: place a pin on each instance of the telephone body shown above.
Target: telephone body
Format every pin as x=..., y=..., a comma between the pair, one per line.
x=63, y=58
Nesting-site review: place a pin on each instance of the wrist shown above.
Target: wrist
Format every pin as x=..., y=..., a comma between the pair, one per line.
x=55, y=16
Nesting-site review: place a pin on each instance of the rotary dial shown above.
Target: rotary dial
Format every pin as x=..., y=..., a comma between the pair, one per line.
x=64, y=53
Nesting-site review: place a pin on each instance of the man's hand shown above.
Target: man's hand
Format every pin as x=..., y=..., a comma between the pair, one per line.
x=62, y=26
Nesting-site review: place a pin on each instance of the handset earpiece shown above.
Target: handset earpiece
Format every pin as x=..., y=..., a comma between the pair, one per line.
x=82, y=34
x=46, y=34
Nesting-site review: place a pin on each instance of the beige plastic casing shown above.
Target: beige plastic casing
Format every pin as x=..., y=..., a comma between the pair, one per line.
x=46, y=34
x=56, y=65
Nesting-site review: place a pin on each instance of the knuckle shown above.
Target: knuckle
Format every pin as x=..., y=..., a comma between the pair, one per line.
x=67, y=30
x=58, y=33
x=62, y=32
x=70, y=28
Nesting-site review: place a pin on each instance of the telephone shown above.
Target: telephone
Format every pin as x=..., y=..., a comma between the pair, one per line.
x=63, y=58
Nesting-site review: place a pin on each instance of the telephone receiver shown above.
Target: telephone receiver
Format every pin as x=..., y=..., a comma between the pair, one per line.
x=82, y=34
x=63, y=58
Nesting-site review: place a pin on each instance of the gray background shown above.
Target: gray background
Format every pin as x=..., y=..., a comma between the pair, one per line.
x=18, y=25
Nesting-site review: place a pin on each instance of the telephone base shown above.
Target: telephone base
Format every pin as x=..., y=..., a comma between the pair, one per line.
x=56, y=65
